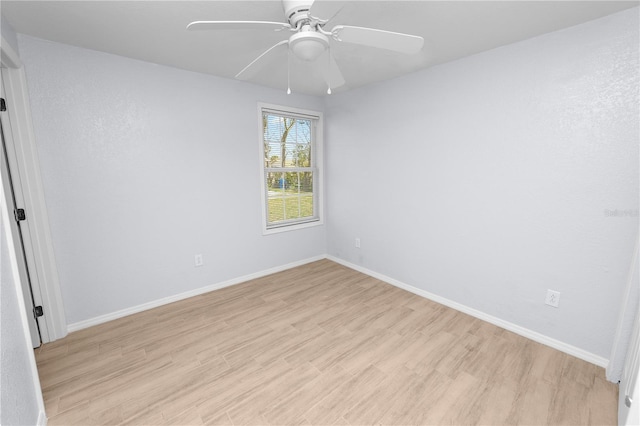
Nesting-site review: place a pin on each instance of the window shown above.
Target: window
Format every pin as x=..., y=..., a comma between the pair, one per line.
x=291, y=158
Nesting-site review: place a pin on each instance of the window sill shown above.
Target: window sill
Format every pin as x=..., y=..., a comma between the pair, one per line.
x=285, y=228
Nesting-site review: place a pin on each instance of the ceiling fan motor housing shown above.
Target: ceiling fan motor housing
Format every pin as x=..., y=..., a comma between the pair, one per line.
x=296, y=10
x=307, y=44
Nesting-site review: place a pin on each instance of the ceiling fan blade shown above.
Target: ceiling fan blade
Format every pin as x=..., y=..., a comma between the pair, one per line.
x=397, y=42
x=238, y=25
x=255, y=64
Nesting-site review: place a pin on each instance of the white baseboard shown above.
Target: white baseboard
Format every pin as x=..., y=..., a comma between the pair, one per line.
x=530, y=334
x=164, y=301
x=42, y=419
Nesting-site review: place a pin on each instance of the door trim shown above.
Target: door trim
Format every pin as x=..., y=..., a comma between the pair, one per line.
x=38, y=244
x=17, y=248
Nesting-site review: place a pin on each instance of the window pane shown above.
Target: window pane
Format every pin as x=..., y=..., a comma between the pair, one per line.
x=287, y=141
x=289, y=195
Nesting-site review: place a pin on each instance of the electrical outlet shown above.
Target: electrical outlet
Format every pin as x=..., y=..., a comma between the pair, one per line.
x=357, y=242
x=553, y=298
x=198, y=260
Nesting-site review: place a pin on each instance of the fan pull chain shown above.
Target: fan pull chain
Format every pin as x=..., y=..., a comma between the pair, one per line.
x=288, y=71
x=329, y=70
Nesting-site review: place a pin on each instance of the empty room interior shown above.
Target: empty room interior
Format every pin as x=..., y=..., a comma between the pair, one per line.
x=320, y=212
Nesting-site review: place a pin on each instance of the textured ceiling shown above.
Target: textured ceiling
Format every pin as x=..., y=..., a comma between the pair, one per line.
x=154, y=31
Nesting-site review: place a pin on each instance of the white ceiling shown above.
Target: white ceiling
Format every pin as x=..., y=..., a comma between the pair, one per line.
x=154, y=31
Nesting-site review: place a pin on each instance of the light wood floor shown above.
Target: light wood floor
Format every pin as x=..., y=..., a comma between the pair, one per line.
x=318, y=344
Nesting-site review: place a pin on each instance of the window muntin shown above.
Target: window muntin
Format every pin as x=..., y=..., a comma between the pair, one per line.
x=289, y=151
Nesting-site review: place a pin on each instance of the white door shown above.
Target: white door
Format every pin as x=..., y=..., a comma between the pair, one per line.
x=16, y=233
x=629, y=390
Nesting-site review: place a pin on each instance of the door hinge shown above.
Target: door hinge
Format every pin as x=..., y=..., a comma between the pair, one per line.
x=19, y=214
x=3, y=105
x=38, y=312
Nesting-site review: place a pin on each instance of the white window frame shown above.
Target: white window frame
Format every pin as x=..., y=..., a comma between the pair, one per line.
x=317, y=156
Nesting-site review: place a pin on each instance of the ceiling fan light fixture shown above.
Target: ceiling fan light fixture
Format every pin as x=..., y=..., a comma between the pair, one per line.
x=308, y=45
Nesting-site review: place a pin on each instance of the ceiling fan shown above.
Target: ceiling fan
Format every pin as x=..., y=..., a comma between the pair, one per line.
x=305, y=36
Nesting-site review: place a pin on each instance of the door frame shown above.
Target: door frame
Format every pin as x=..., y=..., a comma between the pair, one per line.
x=23, y=159
x=13, y=227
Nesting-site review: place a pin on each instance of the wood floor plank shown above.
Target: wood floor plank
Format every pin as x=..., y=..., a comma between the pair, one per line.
x=532, y=402
x=401, y=408
x=602, y=395
x=260, y=399
x=227, y=390
x=100, y=381
x=371, y=409
x=436, y=386
x=291, y=409
x=450, y=406
x=318, y=344
x=78, y=416
x=331, y=408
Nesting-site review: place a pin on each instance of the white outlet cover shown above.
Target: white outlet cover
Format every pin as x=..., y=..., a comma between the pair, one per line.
x=553, y=298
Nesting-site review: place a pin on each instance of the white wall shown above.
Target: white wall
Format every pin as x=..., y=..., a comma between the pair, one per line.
x=485, y=181
x=145, y=166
